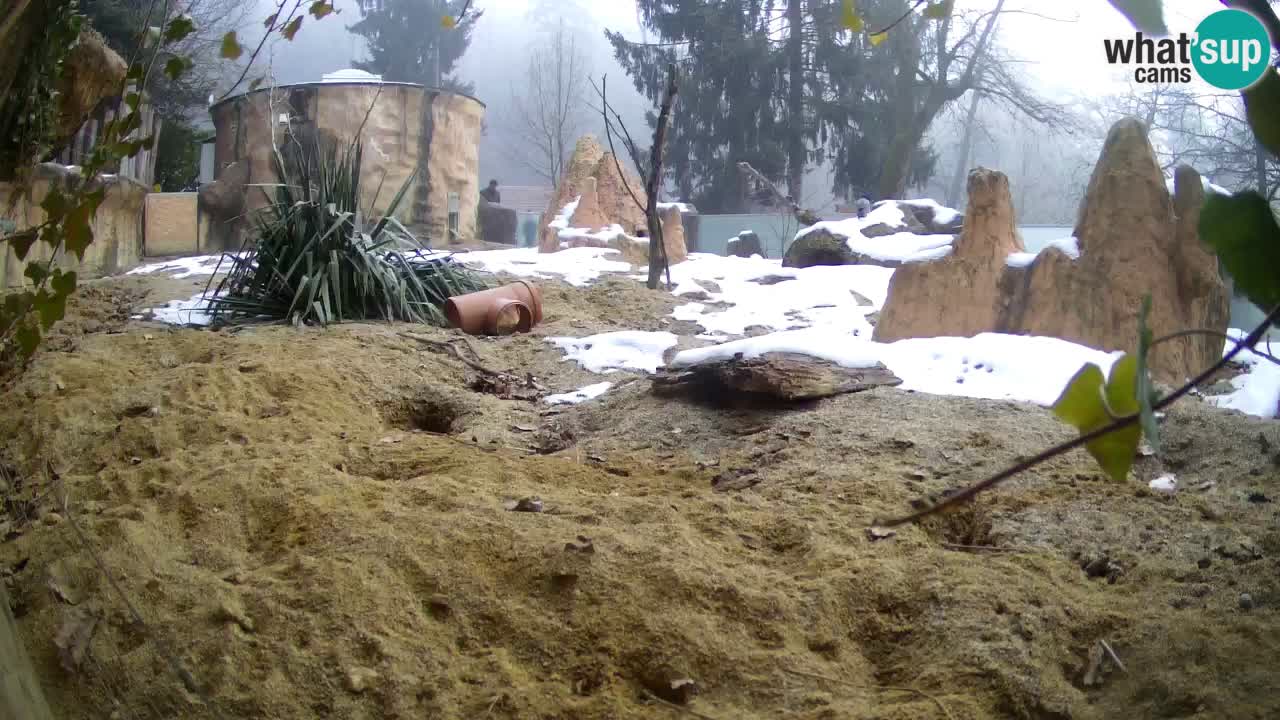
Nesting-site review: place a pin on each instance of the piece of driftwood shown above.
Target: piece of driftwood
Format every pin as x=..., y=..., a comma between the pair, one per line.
x=787, y=376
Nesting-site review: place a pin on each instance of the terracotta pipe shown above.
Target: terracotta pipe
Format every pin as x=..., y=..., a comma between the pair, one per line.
x=470, y=313
x=508, y=316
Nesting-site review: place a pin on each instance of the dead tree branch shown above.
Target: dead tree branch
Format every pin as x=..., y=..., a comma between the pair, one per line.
x=803, y=216
x=658, y=248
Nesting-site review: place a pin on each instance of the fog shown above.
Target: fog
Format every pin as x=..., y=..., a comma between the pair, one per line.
x=1057, y=48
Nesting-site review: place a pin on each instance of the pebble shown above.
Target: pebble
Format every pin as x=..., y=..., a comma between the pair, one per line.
x=359, y=679
x=1246, y=601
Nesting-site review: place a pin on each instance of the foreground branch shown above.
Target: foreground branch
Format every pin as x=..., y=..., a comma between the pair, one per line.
x=657, y=247
x=803, y=216
x=1119, y=424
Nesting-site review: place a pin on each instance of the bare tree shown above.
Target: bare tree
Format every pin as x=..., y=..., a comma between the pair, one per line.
x=549, y=102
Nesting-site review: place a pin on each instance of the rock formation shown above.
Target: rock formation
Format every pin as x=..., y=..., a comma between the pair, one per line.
x=1134, y=240
x=588, y=213
x=745, y=245
x=615, y=204
x=957, y=295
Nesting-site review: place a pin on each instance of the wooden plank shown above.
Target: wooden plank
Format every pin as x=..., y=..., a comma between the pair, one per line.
x=20, y=695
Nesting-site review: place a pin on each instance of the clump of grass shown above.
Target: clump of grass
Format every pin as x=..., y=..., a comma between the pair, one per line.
x=313, y=258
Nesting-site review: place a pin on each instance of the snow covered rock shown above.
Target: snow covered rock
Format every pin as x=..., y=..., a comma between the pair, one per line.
x=893, y=233
x=1133, y=240
x=745, y=245
x=616, y=206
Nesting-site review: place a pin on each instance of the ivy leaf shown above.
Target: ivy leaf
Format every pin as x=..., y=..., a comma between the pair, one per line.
x=849, y=18
x=256, y=83
x=78, y=227
x=448, y=22
x=179, y=28
x=320, y=8
x=28, y=339
x=55, y=204
x=52, y=308
x=36, y=272
x=1088, y=404
x=133, y=100
x=231, y=48
x=939, y=10
x=22, y=241
x=292, y=28
x=271, y=20
x=1242, y=230
x=63, y=283
x=1146, y=15
x=1146, y=392
x=176, y=66
x=1262, y=106
x=136, y=71
x=877, y=38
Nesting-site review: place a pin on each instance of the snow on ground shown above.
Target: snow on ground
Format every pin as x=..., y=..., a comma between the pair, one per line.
x=990, y=365
x=186, y=267
x=580, y=395
x=576, y=266
x=561, y=221
x=836, y=297
x=1257, y=392
x=192, y=311
x=621, y=350
x=1070, y=246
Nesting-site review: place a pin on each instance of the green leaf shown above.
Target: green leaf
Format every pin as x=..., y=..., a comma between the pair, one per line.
x=849, y=18
x=255, y=83
x=292, y=28
x=55, y=204
x=320, y=8
x=939, y=10
x=63, y=283
x=28, y=339
x=136, y=71
x=1088, y=404
x=52, y=308
x=78, y=229
x=271, y=20
x=1146, y=391
x=36, y=272
x=175, y=67
x=231, y=49
x=22, y=241
x=1146, y=15
x=1262, y=106
x=1242, y=230
x=179, y=28
x=133, y=100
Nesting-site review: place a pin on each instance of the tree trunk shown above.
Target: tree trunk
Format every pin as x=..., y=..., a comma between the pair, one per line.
x=795, y=100
x=657, y=248
x=966, y=150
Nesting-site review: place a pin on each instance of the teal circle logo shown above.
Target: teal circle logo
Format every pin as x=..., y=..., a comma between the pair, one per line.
x=1232, y=50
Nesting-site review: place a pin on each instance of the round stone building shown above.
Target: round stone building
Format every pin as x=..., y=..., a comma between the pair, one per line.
x=408, y=127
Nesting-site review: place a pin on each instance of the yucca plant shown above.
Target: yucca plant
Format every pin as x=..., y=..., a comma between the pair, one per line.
x=311, y=258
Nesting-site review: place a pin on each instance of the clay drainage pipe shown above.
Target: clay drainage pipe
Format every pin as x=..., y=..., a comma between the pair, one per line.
x=500, y=311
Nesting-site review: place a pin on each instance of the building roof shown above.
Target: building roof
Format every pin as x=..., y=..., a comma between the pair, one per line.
x=526, y=198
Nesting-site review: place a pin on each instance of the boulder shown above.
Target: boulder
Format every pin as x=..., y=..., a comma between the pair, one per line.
x=921, y=225
x=957, y=294
x=673, y=235
x=746, y=244
x=497, y=223
x=1134, y=240
x=784, y=376
x=819, y=247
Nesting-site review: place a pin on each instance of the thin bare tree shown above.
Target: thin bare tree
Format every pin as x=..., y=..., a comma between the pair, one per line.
x=549, y=103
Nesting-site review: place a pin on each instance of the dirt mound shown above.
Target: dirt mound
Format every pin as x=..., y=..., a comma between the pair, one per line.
x=317, y=521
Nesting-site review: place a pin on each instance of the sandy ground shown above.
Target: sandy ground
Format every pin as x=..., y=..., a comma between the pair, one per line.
x=316, y=522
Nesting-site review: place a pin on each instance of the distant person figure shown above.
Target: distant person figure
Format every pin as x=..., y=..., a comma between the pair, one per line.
x=491, y=193
x=863, y=206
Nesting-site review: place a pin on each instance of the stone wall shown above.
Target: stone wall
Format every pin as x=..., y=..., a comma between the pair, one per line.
x=405, y=129
x=117, y=228
x=174, y=225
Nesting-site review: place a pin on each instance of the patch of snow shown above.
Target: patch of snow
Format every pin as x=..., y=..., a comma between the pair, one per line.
x=576, y=266
x=942, y=214
x=580, y=395
x=990, y=365
x=901, y=247
x=192, y=311
x=186, y=267
x=1209, y=186
x=561, y=221
x=613, y=232
x=1070, y=246
x=798, y=298
x=886, y=213
x=621, y=350
x=1166, y=484
x=1257, y=392
x=682, y=207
